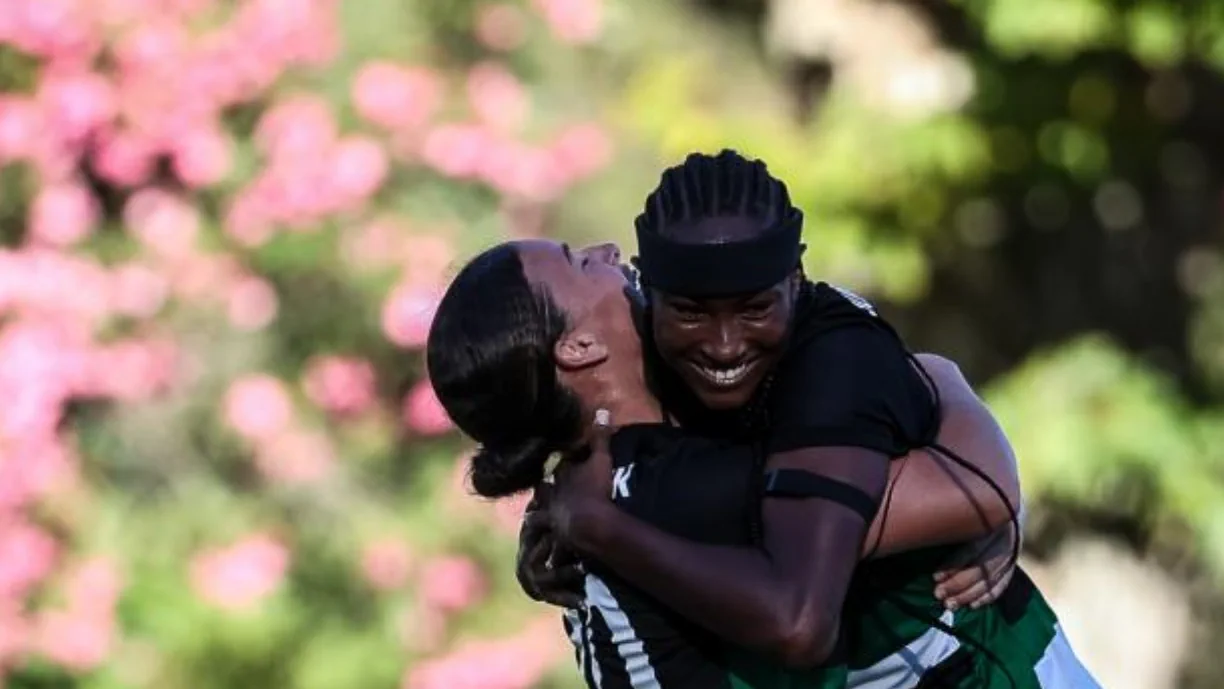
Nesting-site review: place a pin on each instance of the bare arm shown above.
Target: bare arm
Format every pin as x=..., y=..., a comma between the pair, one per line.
x=934, y=500
x=786, y=598
x=843, y=406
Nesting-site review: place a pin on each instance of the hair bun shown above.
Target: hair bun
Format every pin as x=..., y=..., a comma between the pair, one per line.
x=498, y=472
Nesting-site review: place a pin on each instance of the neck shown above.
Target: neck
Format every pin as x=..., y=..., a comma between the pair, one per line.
x=627, y=398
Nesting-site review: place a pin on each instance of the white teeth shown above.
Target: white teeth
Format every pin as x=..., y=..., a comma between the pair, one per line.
x=725, y=376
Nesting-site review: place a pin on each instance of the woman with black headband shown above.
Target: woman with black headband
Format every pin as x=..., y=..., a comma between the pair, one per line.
x=753, y=351
x=531, y=338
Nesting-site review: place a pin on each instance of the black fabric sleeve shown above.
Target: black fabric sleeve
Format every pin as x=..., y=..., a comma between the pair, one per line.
x=851, y=386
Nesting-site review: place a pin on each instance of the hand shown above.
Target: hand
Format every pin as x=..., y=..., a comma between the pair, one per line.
x=547, y=572
x=582, y=489
x=978, y=573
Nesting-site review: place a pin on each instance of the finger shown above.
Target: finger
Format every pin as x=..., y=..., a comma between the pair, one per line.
x=559, y=585
x=563, y=599
x=974, y=554
x=532, y=571
x=961, y=580
x=996, y=591
x=601, y=432
x=570, y=577
x=968, y=596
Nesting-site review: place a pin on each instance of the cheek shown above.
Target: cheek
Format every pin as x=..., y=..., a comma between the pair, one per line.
x=670, y=337
x=768, y=335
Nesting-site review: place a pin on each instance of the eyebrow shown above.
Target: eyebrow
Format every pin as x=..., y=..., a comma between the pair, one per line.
x=569, y=257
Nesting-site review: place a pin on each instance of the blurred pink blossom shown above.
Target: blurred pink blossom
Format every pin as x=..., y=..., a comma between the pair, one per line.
x=37, y=281
x=63, y=214
x=340, y=385
x=93, y=587
x=423, y=413
x=500, y=26
x=133, y=370
x=240, y=576
x=582, y=150
x=202, y=156
x=15, y=632
x=123, y=158
x=258, y=407
x=154, y=46
x=297, y=128
x=359, y=166
x=497, y=96
x=165, y=222
x=373, y=245
x=456, y=150
x=248, y=221
x=76, y=105
x=21, y=124
x=517, y=662
x=525, y=172
x=573, y=21
x=396, y=97
x=31, y=468
x=204, y=277
x=27, y=555
x=41, y=364
x=138, y=290
x=408, y=312
x=295, y=457
x=427, y=257
x=386, y=563
x=58, y=29
x=75, y=642
x=252, y=303
x=451, y=583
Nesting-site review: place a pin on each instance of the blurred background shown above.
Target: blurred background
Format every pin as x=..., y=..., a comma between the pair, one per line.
x=226, y=223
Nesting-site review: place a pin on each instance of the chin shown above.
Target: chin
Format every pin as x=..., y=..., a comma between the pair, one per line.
x=725, y=400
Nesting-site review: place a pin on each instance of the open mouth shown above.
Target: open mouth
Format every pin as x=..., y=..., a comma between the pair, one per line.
x=725, y=377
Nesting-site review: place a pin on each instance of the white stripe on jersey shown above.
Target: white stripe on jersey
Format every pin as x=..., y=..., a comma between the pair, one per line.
x=628, y=645
x=903, y=669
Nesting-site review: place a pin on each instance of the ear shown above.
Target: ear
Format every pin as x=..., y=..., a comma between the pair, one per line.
x=579, y=350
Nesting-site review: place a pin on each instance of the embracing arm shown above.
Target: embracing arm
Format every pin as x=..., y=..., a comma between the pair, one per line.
x=932, y=500
x=841, y=406
x=786, y=598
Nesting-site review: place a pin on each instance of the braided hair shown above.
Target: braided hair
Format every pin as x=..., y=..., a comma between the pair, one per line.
x=704, y=187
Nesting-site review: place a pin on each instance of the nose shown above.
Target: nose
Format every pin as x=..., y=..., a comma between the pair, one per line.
x=608, y=253
x=726, y=347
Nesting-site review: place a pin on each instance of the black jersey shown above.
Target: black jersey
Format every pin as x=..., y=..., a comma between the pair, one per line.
x=694, y=488
x=845, y=381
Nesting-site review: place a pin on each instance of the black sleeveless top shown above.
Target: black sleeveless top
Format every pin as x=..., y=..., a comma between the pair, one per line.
x=845, y=381
x=691, y=487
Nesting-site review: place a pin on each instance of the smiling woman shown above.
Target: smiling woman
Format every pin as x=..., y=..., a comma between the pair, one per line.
x=723, y=323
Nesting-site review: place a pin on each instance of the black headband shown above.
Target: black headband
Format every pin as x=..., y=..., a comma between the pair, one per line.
x=722, y=269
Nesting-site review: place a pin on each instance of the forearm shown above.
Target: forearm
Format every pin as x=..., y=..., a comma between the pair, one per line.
x=735, y=593
x=933, y=500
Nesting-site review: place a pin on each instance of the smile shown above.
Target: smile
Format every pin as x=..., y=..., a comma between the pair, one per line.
x=725, y=377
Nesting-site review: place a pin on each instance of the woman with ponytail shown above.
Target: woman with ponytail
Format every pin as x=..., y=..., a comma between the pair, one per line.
x=725, y=554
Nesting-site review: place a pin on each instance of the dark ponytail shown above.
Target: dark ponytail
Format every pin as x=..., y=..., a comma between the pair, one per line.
x=506, y=471
x=490, y=360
